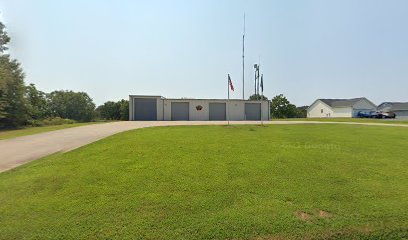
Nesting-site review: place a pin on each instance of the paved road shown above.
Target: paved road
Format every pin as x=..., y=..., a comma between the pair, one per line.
x=17, y=151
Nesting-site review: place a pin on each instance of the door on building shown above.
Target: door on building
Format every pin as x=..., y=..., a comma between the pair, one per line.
x=145, y=109
x=253, y=111
x=218, y=111
x=180, y=111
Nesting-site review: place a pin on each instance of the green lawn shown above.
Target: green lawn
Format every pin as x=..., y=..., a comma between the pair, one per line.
x=216, y=182
x=6, y=134
x=359, y=120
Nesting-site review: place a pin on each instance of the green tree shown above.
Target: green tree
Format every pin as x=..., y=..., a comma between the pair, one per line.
x=38, y=106
x=114, y=110
x=109, y=110
x=257, y=97
x=302, y=111
x=73, y=105
x=124, y=109
x=4, y=38
x=282, y=108
x=13, y=111
x=3, y=89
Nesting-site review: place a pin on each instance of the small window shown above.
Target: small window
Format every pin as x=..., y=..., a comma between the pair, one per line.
x=321, y=110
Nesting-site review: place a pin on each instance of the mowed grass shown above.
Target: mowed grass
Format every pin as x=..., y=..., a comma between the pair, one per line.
x=216, y=182
x=7, y=134
x=357, y=120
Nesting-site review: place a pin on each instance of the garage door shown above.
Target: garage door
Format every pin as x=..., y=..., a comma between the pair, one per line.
x=253, y=111
x=179, y=111
x=145, y=109
x=217, y=111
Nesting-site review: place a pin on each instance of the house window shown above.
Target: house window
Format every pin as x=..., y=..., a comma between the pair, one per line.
x=321, y=110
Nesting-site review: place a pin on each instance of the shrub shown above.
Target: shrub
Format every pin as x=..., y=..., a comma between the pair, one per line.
x=51, y=122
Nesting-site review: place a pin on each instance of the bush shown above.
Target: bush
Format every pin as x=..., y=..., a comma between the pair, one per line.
x=51, y=122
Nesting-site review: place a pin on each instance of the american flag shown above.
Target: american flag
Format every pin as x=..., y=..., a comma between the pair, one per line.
x=230, y=83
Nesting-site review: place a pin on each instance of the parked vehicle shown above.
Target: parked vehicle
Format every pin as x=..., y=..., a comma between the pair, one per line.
x=369, y=114
x=375, y=114
x=387, y=114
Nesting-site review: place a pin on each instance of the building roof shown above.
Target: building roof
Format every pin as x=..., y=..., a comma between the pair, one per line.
x=393, y=106
x=343, y=102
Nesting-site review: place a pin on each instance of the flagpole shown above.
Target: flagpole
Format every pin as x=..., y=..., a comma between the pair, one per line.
x=259, y=66
x=243, y=62
x=255, y=66
x=262, y=99
x=228, y=98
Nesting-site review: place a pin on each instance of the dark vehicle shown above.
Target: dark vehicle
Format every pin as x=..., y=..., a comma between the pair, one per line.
x=370, y=114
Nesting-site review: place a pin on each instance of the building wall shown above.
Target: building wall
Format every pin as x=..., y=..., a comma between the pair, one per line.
x=345, y=112
x=315, y=110
x=235, y=108
x=401, y=114
x=363, y=105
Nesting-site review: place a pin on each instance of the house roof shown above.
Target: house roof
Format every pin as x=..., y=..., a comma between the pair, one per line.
x=343, y=102
x=393, y=106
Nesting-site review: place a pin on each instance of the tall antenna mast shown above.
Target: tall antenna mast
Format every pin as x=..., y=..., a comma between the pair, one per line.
x=259, y=66
x=243, y=62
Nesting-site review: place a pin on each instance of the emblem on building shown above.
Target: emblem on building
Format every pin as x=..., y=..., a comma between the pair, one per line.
x=199, y=107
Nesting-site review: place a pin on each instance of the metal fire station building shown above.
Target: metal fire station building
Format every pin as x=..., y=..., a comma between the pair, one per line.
x=158, y=108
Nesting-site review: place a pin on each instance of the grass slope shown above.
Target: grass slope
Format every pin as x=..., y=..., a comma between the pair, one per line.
x=7, y=134
x=216, y=182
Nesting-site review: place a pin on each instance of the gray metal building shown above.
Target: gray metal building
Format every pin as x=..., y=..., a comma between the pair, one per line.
x=399, y=108
x=158, y=108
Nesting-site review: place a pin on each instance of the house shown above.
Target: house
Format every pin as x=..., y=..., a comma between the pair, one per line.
x=158, y=108
x=399, y=108
x=337, y=108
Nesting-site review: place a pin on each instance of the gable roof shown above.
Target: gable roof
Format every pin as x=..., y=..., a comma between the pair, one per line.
x=336, y=103
x=393, y=106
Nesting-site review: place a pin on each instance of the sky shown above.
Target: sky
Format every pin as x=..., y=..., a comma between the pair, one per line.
x=307, y=49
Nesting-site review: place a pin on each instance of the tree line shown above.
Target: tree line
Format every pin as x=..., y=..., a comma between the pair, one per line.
x=22, y=105
x=282, y=108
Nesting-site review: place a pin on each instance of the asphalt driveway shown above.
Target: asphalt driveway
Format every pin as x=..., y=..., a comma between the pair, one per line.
x=17, y=151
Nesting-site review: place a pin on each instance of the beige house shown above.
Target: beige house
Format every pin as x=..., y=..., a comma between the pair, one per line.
x=339, y=108
x=158, y=108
